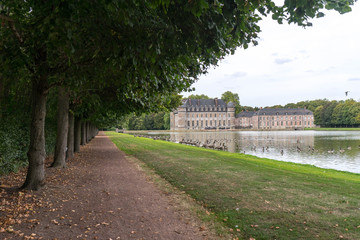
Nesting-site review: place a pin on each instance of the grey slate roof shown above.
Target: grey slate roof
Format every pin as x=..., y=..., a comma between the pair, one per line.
x=203, y=102
x=245, y=114
x=283, y=111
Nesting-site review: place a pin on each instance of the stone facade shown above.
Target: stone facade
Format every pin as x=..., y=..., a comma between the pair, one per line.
x=278, y=118
x=203, y=114
x=206, y=114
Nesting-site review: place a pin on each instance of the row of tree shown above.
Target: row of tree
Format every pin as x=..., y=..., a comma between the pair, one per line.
x=153, y=121
x=326, y=113
x=100, y=59
x=331, y=113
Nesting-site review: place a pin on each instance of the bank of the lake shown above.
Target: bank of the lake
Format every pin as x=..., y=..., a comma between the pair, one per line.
x=257, y=197
x=333, y=129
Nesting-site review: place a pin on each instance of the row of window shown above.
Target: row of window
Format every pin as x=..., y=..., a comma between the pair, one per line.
x=203, y=123
x=287, y=123
x=206, y=115
x=285, y=118
x=205, y=109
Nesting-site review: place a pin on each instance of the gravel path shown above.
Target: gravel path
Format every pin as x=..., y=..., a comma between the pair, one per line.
x=101, y=195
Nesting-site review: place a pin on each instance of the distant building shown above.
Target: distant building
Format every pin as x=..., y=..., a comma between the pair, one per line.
x=206, y=114
x=277, y=118
x=203, y=114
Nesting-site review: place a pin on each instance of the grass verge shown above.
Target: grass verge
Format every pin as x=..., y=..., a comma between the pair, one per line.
x=255, y=197
x=333, y=129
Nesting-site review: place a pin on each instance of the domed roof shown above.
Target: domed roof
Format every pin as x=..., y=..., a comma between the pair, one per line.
x=231, y=104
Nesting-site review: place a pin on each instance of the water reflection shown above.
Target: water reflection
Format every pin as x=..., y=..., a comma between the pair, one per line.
x=331, y=149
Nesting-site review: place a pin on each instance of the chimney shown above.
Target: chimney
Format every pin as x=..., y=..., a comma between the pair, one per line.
x=216, y=102
x=190, y=101
x=198, y=101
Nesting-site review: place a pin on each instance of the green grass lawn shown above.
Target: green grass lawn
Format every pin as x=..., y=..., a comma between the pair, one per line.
x=256, y=197
x=333, y=129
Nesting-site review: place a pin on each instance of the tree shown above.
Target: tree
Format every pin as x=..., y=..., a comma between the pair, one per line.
x=232, y=97
x=167, y=121
x=153, y=49
x=195, y=96
x=317, y=116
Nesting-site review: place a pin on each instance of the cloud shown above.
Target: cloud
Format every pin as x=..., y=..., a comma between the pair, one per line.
x=236, y=75
x=282, y=60
x=354, y=79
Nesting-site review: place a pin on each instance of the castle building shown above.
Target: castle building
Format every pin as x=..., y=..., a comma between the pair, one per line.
x=276, y=118
x=202, y=114
x=205, y=114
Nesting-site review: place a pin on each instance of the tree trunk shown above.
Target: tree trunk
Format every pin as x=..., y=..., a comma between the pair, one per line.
x=88, y=133
x=70, y=143
x=77, y=135
x=83, y=133
x=1, y=96
x=35, y=177
x=62, y=129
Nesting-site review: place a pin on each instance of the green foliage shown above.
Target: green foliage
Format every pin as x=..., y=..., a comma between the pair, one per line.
x=228, y=96
x=196, y=96
x=154, y=50
x=167, y=121
x=330, y=113
x=13, y=144
x=153, y=121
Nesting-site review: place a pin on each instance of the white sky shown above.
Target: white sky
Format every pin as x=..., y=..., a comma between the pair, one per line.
x=293, y=64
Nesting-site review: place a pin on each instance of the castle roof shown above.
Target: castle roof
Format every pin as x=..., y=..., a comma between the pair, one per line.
x=283, y=111
x=245, y=114
x=203, y=102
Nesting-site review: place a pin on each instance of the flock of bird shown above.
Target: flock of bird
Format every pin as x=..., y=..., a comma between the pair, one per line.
x=222, y=144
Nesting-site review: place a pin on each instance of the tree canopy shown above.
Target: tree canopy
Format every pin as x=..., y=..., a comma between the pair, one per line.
x=122, y=56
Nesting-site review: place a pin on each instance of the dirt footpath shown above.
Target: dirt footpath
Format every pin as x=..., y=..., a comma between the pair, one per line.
x=101, y=195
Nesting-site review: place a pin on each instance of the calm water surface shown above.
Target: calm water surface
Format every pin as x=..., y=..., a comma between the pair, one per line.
x=326, y=149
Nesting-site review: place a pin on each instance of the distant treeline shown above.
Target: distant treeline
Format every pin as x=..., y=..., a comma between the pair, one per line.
x=331, y=113
x=152, y=121
x=326, y=113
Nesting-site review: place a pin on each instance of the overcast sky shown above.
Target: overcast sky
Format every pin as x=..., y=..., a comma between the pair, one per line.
x=293, y=64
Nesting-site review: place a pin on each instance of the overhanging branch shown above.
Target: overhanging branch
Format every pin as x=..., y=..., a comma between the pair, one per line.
x=12, y=27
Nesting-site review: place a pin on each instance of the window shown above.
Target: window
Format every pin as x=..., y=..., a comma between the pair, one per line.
x=229, y=122
x=197, y=123
x=215, y=114
x=201, y=123
x=214, y=122
x=229, y=116
x=210, y=115
x=193, y=123
x=210, y=123
x=206, y=123
x=188, y=123
x=224, y=123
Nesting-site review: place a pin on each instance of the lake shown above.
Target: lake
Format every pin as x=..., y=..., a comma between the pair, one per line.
x=338, y=150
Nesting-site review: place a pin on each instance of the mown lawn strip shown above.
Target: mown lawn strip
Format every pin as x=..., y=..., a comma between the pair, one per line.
x=256, y=197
